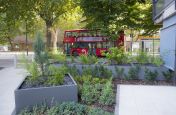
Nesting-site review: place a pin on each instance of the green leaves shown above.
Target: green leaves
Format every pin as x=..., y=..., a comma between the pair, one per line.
x=57, y=75
x=107, y=95
x=116, y=15
x=41, y=56
x=117, y=55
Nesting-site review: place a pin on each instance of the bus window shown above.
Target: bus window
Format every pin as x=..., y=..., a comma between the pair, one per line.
x=105, y=45
x=71, y=34
x=83, y=45
x=68, y=34
x=74, y=34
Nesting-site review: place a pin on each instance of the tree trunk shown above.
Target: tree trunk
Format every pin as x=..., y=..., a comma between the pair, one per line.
x=48, y=35
x=54, y=36
x=10, y=42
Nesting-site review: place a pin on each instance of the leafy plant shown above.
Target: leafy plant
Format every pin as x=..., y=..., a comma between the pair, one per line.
x=168, y=75
x=119, y=72
x=142, y=57
x=34, y=72
x=72, y=58
x=157, y=61
x=66, y=108
x=86, y=70
x=36, y=110
x=116, y=54
x=98, y=111
x=41, y=57
x=88, y=59
x=103, y=72
x=72, y=108
x=61, y=58
x=84, y=59
x=93, y=59
x=150, y=75
x=107, y=95
x=90, y=93
x=73, y=70
x=133, y=72
x=56, y=75
x=53, y=110
x=89, y=78
x=32, y=69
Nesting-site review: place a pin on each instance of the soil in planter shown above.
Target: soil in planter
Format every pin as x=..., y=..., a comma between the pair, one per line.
x=41, y=82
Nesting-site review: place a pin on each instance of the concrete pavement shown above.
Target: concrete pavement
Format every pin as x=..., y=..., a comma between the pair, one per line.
x=9, y=80
x=146, y=100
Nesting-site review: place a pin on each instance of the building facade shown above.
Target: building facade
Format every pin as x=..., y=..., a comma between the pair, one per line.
x=164, y=12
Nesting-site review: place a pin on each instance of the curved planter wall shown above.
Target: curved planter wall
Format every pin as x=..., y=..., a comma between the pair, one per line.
x=45, y=95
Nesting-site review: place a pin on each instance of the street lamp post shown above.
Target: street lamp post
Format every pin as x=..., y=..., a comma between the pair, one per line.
x=131, y=35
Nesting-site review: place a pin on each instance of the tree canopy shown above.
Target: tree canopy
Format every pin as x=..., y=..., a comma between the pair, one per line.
x=30, y=16
x=118, y=15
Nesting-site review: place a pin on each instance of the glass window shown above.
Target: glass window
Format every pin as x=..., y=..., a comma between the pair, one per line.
x=71, y=34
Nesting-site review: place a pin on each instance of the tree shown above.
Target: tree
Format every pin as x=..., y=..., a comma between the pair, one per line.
x=50, y=11
x=13, y=15
x=41, y=57
x=115, y=15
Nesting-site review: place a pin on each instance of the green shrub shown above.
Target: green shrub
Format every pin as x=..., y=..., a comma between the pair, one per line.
x=90, y=93
x=67, y=108
x=57, y=75
x=36, y=110
x=32, y=69
x=41, y=57
x=89, y=78
x=84, y=59
x=72, y=108
x=61, y=58
x=150, y=75
x=119, y=72
x=98, y=111
x=72, y=59
x=157, y=61
x=142, y=57
x=168, y=75
x=86, y=70
x=97, y=71
x=93, y=59
x=133, y=72
x=34, y=72
x=117, y=54
x=73, y=70
x=107, y=95
x=53, y=111
x=88, y=59
x=103, y=72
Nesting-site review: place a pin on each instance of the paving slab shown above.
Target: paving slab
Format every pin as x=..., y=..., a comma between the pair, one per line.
x=145, y=100
x=9, y=80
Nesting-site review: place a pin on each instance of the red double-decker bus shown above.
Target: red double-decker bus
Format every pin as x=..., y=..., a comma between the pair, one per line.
x=83, y=41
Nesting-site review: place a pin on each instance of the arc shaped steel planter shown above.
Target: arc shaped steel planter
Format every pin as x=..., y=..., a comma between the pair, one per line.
x=45, y=95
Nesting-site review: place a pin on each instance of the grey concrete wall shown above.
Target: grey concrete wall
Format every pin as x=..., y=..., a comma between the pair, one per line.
x=126, y=69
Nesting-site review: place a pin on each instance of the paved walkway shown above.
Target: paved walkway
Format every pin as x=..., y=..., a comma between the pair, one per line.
x=146, y=100
x=9, y=80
